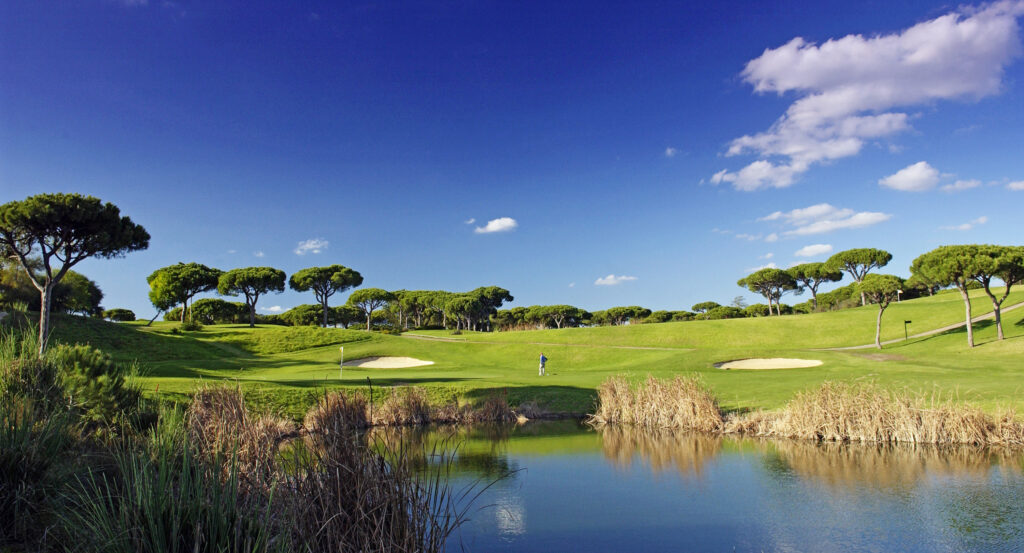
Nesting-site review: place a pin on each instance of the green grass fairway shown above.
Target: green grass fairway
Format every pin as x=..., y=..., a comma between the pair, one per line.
x=283, y=368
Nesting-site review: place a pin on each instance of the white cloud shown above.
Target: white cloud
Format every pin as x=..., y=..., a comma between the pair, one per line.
x=501, y=224
x=1016, y=185
x=857, y=220
x=968, y=226
x=470, y=221
x=849, y=89
x=961, y=185
x=822, y=218
x=612, y=280
x=814, y=250
x=272, y=309
x=771, y=238
x=912, y=178
x=671, y=152
x=572, y=285
x=313, y=245
x=232, y=251
x=768, y=266
x=258, y=253
x=750, y=237
x=768, y=255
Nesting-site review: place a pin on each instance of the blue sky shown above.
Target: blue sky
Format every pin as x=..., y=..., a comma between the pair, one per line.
x=677, y=145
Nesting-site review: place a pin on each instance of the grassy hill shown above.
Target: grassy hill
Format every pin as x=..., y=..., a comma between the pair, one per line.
x=285, y=368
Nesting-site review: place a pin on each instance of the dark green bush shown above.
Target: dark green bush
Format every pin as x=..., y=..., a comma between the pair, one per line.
x=98, y=389
x=191, y=326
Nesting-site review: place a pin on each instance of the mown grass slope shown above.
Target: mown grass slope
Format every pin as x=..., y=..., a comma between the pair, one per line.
x=284, y=369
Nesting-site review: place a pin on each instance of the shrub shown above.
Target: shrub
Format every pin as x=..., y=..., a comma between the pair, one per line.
x=190, y=326
x=756, y=310
x=101, y=391
x=119, y=315
x=724, y=312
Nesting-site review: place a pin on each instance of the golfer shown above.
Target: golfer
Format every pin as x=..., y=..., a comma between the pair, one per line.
x=542, y=361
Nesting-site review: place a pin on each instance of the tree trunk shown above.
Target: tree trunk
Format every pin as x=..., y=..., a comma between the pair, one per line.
x=158, y=311
x=878, y=327
x=996, y=308
x=184, y=308
x=814, y=300
x=252, y=315
x=369, y=317
x=45, y=299
x=863, y=299
x=323, y=307
x=967, y=304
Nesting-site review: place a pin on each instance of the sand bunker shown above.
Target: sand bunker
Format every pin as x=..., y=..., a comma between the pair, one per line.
x=387, y=362
x=773, y=363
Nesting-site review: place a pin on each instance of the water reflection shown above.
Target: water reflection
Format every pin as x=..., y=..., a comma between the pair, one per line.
x=881, y=466
x=661, y=450
x=620, y=488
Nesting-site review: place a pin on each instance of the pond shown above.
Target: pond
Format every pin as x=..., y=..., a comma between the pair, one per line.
x=572, y=488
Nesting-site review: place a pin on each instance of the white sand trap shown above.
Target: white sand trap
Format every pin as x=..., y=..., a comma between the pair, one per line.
x=773, y=363
x=387, y=362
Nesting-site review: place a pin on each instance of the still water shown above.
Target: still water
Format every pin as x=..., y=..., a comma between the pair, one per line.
x=571, y=488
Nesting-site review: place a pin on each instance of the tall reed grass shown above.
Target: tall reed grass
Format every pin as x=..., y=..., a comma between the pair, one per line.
x=832, y=412
x=683, y=402
x=868, y=413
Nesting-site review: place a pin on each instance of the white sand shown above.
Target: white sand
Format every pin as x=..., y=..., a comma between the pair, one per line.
x=387, y=362
x=773, y=363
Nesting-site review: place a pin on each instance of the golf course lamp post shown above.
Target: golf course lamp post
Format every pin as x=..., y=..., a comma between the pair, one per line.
x=906, y=335
x=341, y=364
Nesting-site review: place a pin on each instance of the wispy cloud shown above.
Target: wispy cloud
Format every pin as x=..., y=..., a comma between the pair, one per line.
x=768, y=255
x=258, y=253
x=822, y=218
x=918, y=177
x=612, y=280
x=1016, y=185
x=765, y=266
x=572, y=285
x=470, y=221
x=671, y=152
x=232, y=251
x=961, y=185
x=813, y=250
x=968, y=226
x=501, y=224
x=272, y=309
x=313, y=245
x=850, y=90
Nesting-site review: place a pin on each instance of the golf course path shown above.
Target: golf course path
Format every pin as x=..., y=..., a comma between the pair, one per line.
x=933, y=332
x=549, y=344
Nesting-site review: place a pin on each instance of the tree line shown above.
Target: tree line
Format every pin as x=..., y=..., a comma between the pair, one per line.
x=173, y=288
x=44, y=236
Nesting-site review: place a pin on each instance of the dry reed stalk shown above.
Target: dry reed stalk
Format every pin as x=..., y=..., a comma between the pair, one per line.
x=837, y=412
x=337, y=412
x=681, y=403
x=866, y=413
x=404, y=405
x=222, y=428
x=494, y=409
